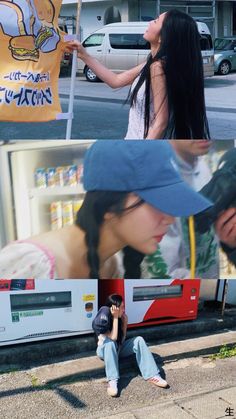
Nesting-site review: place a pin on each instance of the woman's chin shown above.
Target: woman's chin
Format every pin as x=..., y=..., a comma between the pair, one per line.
x=151, y=249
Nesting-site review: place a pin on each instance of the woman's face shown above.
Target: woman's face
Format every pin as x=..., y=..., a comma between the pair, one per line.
x=142, y=227
x=152, y=33
x=121, y=309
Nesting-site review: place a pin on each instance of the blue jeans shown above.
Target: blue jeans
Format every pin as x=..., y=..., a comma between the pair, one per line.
x=108, y=353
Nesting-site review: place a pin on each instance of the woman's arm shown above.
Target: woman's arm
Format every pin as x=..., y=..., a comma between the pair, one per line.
x=112, y=79
x=159, y=92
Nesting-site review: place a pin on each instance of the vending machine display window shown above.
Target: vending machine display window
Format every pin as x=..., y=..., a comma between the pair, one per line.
x=42, y=301
x=157, y=292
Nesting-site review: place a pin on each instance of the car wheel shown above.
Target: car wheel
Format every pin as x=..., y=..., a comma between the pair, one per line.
x=224, y=68
x=90, y=75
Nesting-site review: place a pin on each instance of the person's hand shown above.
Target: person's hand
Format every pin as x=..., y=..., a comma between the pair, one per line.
x=226, y=227
x=124, y=318
x=76, y=45
x=115, y=311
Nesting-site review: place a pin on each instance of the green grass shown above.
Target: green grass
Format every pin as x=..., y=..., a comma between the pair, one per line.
x=225, y=352
x=34, y=381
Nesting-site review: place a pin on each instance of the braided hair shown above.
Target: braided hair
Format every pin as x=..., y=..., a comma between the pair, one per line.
x=90, y=218
x=181, y=59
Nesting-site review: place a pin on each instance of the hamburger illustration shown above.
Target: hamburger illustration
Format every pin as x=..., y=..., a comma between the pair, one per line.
x=23, y=48
x=43, y=36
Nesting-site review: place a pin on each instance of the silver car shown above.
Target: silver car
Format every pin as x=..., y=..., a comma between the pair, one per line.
x=225, y=55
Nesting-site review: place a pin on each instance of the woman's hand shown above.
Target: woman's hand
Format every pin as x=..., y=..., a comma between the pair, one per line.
x=115, y=311
x=76, y=45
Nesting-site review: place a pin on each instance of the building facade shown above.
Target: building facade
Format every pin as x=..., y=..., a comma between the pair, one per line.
x=219, y=15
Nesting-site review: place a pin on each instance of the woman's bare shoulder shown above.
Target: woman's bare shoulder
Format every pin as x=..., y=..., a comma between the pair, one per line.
x=157, y=68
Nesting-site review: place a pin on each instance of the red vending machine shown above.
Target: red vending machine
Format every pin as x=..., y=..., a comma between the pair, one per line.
x=154, y=301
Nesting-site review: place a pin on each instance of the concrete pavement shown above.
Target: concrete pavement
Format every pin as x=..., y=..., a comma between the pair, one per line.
x=199, y=387
x=220, y=92
x=63, y=378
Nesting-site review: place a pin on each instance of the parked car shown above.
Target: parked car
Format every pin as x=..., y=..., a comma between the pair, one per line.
x=121, y=46
x=225, y=55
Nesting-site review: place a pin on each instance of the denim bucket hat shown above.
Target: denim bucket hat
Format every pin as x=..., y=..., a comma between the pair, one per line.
x=148, y=169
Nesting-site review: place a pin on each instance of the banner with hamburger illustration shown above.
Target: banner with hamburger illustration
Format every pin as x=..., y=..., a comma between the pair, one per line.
x=31, y=49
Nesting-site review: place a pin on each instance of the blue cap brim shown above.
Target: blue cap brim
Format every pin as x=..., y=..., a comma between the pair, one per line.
x=178, y=200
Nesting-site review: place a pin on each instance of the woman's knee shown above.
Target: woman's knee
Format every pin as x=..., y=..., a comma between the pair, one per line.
x=139, y=341
x=110, y=345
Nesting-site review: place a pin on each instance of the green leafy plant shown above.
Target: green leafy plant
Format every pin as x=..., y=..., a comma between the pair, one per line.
x=34, y=381
x=225, y=352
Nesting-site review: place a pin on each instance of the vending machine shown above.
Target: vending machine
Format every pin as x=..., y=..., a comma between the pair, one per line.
x=154, y=301
x=33, y=310
x=41, y=186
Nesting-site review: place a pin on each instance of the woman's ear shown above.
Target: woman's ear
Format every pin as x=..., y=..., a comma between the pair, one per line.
x=108, y=216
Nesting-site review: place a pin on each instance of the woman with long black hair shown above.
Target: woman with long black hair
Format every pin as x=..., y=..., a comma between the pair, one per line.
x=133, y=194
x=110, y=326
x=167, y=91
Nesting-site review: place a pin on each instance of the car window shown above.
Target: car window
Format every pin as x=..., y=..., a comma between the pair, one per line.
x=206, y=42
x=128, y=41
x=94, y=40
x=223, y=44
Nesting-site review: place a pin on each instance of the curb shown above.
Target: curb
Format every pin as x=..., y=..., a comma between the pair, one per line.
x=60, y=349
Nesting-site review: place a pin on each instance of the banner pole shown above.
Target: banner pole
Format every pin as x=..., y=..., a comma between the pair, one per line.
x=73, y=75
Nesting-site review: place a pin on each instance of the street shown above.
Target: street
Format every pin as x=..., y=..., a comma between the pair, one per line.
x=198, y=388
x=101, y=113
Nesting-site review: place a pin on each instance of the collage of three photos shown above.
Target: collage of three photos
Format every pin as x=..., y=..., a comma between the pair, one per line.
x=117, y=200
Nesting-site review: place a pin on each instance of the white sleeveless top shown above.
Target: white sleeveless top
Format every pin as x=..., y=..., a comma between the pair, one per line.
x=137, y=112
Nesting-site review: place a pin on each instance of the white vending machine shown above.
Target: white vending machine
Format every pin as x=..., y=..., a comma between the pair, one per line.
x=40, y=186
x=33, y=310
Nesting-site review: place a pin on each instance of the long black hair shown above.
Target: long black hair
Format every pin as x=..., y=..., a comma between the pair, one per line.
x=180, y=55
x=90, y=218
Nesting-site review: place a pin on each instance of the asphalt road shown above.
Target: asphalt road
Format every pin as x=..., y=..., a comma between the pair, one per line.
x=103, y=120
x=99, y=112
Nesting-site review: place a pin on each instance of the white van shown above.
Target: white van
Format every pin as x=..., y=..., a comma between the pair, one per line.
x=121, y=46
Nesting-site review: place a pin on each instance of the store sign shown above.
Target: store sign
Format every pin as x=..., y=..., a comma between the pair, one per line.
x=31, y=49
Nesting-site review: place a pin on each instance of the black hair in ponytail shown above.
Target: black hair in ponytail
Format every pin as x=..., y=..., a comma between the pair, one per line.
x=90, y=218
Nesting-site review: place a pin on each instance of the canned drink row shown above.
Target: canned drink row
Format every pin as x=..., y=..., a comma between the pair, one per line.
x=63, y=213
x=58, y=176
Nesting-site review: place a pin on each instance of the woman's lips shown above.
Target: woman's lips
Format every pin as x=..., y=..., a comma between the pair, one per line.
x=203, y=143
x=159, y=238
